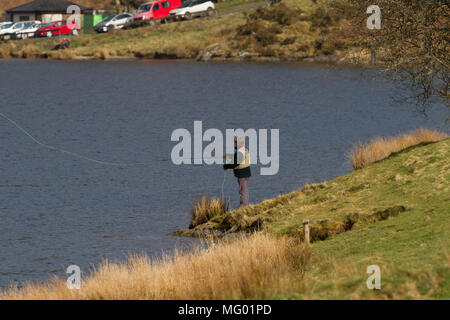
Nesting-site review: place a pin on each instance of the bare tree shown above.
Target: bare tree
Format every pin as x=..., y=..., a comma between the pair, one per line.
x=412, y=43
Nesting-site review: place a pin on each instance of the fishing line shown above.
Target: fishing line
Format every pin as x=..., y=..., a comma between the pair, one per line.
x=223, y=183
x=77, y=155
x=74, y=154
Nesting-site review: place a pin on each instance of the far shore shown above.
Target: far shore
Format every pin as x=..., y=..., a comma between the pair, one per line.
x=293, y=31
x=331, y=60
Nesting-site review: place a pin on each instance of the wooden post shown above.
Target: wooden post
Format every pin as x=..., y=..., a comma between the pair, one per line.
x=306, y=230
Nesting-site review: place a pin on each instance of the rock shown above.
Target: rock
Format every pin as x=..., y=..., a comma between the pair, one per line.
x=244, y=55
x=209, y=54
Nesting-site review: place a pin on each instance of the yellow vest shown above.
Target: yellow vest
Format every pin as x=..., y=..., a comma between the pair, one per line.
x=241, y=153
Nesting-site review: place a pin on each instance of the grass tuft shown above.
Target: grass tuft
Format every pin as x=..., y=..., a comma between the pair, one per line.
x=207, y=208
x=364, y=154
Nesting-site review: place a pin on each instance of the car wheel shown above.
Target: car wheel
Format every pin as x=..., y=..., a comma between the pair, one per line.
x=209, y=12
x=110, y=28
x=152, y=22
x=188, y=16
x=24, y=36
x=49, y=34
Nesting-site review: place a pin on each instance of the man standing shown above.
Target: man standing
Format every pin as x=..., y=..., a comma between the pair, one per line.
x=241, y=168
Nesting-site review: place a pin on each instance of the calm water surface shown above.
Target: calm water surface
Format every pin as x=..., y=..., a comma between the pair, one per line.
x=57, y=210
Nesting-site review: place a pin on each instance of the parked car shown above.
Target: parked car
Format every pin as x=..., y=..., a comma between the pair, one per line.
x=29, y=30
x=3, y=23
x=113, y=22
x=4, y=27
x=8, y=30
x=156, y=10
x=193, y=8
x=56, y=28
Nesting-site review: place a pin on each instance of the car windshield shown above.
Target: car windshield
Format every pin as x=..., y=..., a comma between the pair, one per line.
x=8, y=25
x=187, y=4
x=145, y=8
x=47, y=25
x=107, y=19
x=35, y=26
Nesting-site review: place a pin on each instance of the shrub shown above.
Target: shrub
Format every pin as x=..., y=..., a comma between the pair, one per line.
x=280, y=13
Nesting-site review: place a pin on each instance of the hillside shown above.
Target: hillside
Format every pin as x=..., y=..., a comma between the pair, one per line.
x=294, y=30
x=393, y=214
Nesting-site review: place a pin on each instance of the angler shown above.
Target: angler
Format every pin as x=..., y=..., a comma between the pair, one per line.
x=241, y=167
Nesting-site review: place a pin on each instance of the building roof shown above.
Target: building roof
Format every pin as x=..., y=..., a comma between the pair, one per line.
x=42, y=6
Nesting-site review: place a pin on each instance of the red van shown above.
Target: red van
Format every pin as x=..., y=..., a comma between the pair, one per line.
x=156, y=9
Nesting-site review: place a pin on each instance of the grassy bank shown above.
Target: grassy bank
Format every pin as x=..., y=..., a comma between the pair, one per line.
x=392, y=213
x=292, y=30
x=247, y=267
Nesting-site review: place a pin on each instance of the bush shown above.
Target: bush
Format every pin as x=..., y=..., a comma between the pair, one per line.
x=279, y=13
x=260, y=33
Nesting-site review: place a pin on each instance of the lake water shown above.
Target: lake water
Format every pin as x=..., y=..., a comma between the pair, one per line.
x=57, y=210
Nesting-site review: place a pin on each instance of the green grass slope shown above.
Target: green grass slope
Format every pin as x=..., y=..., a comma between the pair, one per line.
x=394, y=214
x=411, y=249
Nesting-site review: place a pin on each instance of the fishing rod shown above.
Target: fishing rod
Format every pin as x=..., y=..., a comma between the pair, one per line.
x=109, y=163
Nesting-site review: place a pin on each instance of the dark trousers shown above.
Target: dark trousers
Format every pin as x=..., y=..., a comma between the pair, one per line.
x=243, y=191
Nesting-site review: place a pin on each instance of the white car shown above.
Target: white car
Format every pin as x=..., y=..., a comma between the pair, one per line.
x=193, y=8
x=114, y=22
x=29, y=30
x=5, y=30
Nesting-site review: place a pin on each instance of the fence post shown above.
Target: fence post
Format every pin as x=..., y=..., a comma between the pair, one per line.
x=306, y=231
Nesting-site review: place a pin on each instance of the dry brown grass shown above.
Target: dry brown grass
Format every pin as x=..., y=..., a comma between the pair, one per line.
x=364, y=154
x=29, y=50
x=5, y=51
x=66, y=54
x=102, y=53
x=205, y=209
x=254, y=267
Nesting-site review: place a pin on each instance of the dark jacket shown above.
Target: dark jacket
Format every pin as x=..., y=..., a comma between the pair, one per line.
x=241, y=169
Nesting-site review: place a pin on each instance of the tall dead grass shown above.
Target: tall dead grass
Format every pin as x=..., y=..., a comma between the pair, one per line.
x=364, y=154
x=205, y=209
x=253, y=267
x=66, y=54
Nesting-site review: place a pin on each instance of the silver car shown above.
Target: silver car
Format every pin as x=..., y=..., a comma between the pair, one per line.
x=113, y=22
x=28, y=31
